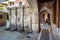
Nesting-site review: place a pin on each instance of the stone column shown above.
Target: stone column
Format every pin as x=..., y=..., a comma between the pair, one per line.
x=13, y=16
x=21, y=20
x=57, y=11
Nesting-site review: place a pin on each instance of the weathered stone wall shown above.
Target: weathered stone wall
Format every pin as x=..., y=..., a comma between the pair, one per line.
x=30, y=18
x=35, y=22
x=26, y=17
x=13, y=17
x=19, y=17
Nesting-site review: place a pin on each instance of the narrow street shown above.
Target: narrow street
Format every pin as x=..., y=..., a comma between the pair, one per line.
x=29, y=19
x=8, y=35
x=45, y=33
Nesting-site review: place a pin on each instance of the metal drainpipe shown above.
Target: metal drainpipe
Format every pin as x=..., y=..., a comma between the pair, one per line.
x=23, y=20
x=10, y=14
x=16, y=18
x=39, y=22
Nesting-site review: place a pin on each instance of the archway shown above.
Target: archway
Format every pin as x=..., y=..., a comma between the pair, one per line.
x=45, y=16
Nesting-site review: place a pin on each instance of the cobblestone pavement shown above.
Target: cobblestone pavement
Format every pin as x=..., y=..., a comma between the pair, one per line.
x=8, y=35
x=45, y=35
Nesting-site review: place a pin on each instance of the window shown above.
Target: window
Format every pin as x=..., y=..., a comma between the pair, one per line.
x=20, y=3
x=1, y=16
x=7, y=16
x=12, y=4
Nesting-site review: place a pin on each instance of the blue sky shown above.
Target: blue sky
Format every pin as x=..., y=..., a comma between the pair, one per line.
x=2, y=1
x=5, y=0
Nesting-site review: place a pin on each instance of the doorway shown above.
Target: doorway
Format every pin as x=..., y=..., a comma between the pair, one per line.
x=45, y=18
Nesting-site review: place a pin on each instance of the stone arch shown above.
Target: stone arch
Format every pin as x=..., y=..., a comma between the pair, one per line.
x=45, y=8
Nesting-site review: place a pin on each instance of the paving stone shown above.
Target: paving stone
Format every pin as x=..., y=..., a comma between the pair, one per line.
x=8, y=35
x=45, y=35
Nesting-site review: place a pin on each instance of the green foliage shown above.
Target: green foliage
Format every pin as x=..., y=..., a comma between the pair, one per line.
x=1, y=7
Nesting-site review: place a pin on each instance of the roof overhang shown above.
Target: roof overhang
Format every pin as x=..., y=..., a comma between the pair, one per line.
x=33, y=5
x=3, y=11
x=43, y=1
